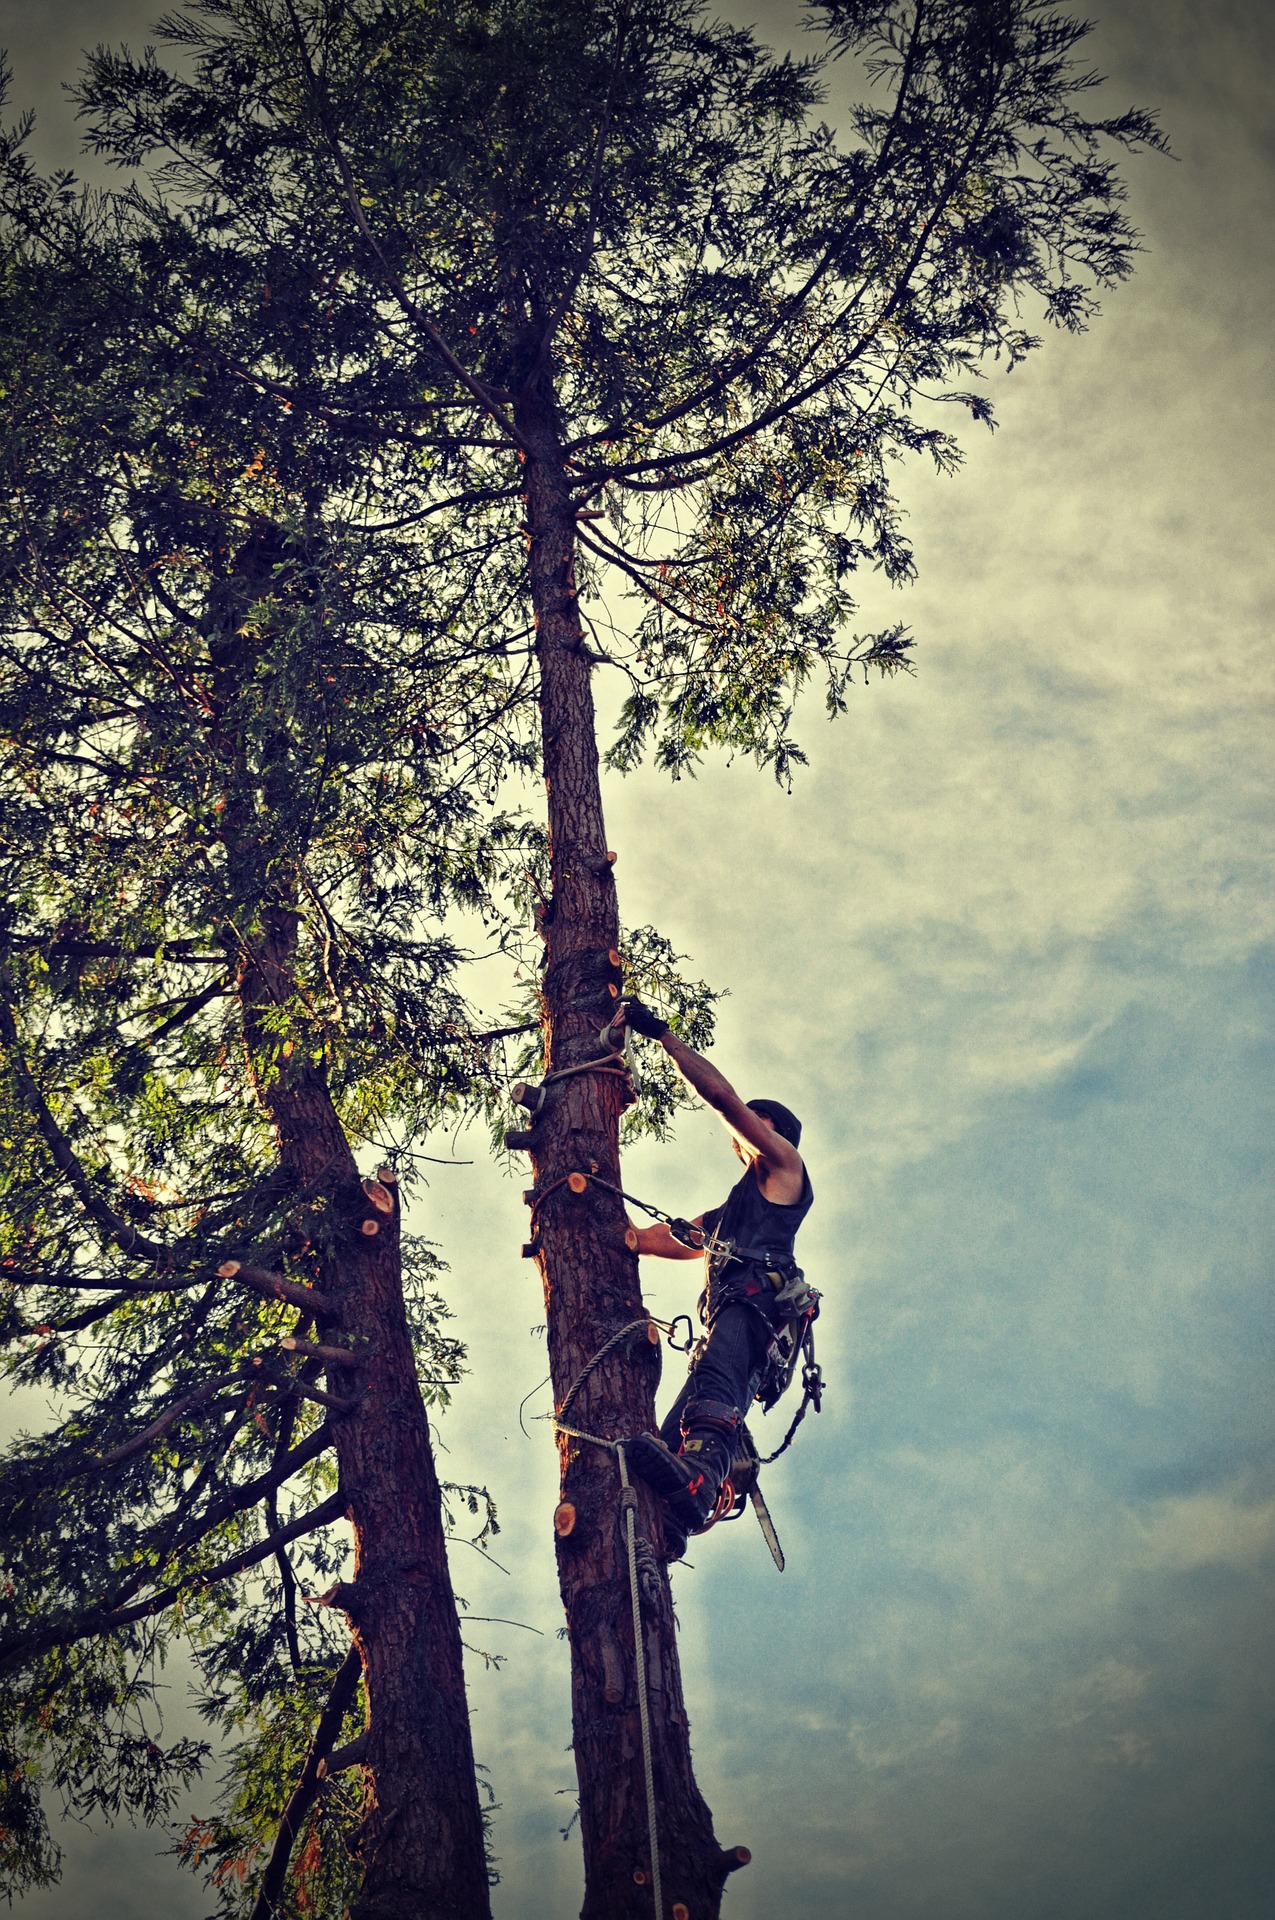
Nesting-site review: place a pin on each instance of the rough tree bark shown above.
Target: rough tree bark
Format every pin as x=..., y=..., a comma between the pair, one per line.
x=421, y=1838
x=591, y=1286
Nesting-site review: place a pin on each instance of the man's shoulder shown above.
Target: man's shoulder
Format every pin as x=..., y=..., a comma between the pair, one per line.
x=804, y=1195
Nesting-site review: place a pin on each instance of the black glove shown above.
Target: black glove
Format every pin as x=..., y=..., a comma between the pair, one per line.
x=642, y=1020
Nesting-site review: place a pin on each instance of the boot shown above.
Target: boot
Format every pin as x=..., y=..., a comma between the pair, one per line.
x=691, y=1493
x=690, y=1480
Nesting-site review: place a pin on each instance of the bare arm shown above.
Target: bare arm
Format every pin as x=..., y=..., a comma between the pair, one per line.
x=659, y=1241
x=780, y=1173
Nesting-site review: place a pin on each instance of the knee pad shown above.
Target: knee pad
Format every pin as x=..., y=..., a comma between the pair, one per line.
x=714, y=1415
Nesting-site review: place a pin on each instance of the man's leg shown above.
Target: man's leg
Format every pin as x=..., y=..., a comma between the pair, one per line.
x=671, y=1424
x=721, y=1389
x=704, y=1418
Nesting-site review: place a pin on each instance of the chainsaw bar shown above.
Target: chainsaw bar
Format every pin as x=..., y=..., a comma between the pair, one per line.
x=767, y=1526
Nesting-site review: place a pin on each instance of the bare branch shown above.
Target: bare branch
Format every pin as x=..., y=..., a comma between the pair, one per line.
x=275, y=1286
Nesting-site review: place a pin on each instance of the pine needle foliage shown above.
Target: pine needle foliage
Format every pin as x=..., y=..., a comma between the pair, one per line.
x=412, y=211
x=209, y=749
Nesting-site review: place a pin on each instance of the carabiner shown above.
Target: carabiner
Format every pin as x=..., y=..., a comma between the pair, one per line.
x=685, y=1345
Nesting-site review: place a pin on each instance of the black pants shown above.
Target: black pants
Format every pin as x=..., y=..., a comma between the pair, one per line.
x=728, y=1370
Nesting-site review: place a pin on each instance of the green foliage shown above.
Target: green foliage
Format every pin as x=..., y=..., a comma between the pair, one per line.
x=394, y=221
x=270, y=1741
x=225, y=732
x=652, y=971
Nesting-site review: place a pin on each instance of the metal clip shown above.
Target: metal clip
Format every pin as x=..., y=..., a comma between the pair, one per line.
x=681, y=1346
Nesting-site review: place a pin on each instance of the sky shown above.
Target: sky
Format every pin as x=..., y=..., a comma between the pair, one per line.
x=1008, y=949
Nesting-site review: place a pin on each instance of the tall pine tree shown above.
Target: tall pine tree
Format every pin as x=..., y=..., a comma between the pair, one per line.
x=599, y=295
x=234, y=811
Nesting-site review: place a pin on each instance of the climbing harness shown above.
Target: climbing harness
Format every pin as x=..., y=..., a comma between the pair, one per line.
x=790, y=1341
x=789, y=1310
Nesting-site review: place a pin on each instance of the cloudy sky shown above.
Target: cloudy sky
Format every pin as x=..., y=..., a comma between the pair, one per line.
x=1008, y=948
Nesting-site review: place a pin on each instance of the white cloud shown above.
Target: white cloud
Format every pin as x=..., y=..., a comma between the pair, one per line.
x=1217, y=1528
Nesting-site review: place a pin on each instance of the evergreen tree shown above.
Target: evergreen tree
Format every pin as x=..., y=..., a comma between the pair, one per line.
x=234, y=811
x=592, y=287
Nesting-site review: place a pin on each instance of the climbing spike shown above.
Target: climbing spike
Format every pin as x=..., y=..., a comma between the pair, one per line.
x=577, y=1182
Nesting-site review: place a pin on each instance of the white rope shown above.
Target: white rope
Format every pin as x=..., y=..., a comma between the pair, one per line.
x=639, y=1661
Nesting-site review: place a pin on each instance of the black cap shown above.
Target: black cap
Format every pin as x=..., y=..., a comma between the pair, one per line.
x=782, y=1118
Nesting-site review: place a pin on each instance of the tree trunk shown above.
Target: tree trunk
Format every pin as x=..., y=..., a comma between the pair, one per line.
x=421, y=1840
x=421, y=1837
x=591, y=1289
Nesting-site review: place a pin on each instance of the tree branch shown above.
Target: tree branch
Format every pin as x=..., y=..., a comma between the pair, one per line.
x=274, y=1286
x=595, y=184
x=331, y=1509
x=164, y=1421
x=55, y=949
x=313, y=1773
x=661, y=463
x=107, y=1621
x=485, y=398
x=728, y=374
x=21, y=1277
x=236, y=1501
x=126, y=1237
x=215, y=990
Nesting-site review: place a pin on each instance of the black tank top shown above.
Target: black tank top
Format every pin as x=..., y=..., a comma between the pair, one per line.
x=755, y=1225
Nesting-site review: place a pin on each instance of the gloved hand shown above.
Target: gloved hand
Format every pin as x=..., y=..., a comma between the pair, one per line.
x=643, y=1020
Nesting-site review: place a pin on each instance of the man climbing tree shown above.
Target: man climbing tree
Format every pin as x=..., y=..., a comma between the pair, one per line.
x=588, y=290
x=755, y=1306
